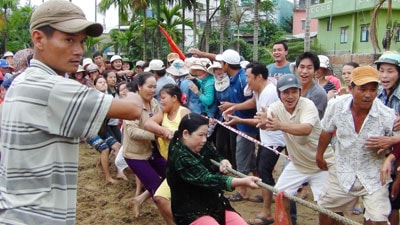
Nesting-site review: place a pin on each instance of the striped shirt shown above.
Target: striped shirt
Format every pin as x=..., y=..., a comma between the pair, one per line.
x=43, y=116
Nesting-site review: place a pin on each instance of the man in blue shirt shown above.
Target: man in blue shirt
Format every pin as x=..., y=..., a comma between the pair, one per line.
x=239, y=92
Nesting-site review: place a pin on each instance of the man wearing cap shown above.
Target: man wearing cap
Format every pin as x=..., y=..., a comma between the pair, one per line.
x=239, y=92
x=139, y=66
x=297, y=117
x=92, y=70
x=356, y=171
x=157, y=67
x=44, y=115
x=322, y=72
x=9, y=56
x=5, y=69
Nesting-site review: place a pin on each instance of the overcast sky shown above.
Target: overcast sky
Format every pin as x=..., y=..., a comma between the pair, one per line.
x=88, y=6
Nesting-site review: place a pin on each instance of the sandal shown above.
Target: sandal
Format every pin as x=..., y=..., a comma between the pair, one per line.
x=237, y=197
x=260, y=220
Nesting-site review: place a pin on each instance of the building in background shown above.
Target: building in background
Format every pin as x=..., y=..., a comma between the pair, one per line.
x=299, y=19
x=344, y=26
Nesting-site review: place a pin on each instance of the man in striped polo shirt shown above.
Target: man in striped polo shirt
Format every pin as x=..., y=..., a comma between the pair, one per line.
x=44, y=114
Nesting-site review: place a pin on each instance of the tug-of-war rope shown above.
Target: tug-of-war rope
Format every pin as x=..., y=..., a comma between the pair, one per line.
x=308, y=204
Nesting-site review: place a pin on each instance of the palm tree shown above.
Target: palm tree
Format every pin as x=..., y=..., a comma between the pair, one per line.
x=186, y=4
x=124, y=7
x=170, y=20
x=141, y=5
x=237, y=19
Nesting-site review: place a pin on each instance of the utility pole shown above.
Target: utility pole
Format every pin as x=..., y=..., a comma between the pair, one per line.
x=307, y=27
x=95, y=11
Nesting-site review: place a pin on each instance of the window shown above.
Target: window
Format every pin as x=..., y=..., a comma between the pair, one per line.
x=303, y=24
x=364, y=35
x=343, y=34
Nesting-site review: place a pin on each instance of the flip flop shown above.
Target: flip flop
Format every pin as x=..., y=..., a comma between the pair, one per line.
x=261, y=221
x=237, y=197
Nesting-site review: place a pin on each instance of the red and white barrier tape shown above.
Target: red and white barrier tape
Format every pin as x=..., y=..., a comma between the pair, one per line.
x=251, y=139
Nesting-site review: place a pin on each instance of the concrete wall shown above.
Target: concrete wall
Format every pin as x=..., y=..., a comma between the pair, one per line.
x=337, y=61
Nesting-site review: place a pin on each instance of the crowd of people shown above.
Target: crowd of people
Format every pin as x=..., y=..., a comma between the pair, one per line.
x=159, y=120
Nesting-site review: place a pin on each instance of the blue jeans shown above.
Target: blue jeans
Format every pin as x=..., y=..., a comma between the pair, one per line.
x=245, y=154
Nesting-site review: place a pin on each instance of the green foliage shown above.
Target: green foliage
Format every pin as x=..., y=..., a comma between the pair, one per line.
x=287, y=24
x=18, y=36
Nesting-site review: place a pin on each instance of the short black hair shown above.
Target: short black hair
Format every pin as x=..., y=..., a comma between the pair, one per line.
x=258, y=68
x=97, y=54
x=160, y=73
x=285, y=46
x=47, y=30
x=308, y=55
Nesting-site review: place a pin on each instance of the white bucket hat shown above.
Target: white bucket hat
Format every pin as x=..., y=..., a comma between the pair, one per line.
x=215, y=65
x=177, y=68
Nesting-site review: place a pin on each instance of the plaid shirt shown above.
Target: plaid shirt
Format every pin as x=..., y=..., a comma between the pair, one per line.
x=196, y=185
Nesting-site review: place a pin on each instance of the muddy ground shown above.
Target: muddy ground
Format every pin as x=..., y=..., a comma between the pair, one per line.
x=107, y=204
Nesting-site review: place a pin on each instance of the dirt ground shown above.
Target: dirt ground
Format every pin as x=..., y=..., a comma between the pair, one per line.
x=104, y=204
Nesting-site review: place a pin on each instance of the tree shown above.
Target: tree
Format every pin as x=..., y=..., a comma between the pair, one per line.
x=186, y=4
x=124, y=7
x=141, y=6
x=19, y=37
x=238, y=13
x=255, y=32
x=6, y=7
x=170, y=19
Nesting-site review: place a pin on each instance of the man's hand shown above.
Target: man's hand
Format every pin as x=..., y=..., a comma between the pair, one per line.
x=321, y=163
x=386, y=169
x=273, y=123
x=379, y=142
x=225, y=105
x=232, y=120
x=261, y=118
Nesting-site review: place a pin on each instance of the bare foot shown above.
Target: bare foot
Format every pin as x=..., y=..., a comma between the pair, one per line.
x=135, y=207
x=110, y=180
x=121, y=175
